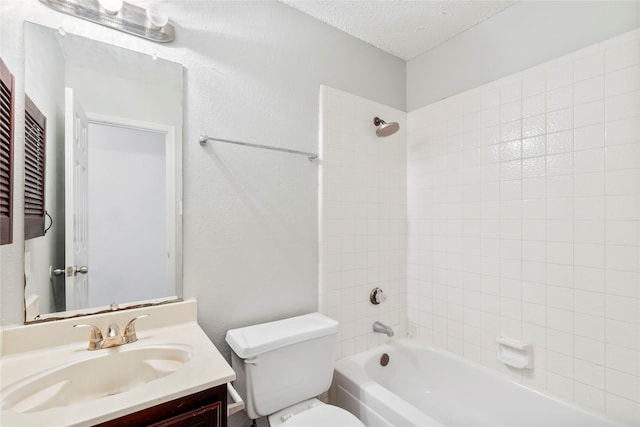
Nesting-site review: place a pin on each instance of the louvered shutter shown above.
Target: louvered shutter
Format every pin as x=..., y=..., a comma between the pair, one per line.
x=34, y=170
x=6, y=153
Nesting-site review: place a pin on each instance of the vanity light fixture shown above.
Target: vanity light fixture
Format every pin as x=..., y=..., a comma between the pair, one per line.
x=111, y=6
x=148, y=23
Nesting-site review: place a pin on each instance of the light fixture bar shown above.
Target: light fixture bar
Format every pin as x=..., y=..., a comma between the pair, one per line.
x=129, y=19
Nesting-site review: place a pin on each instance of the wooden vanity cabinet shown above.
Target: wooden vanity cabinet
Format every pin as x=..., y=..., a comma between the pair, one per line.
x=207, y=408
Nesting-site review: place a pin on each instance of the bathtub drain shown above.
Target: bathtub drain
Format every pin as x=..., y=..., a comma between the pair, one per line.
x=384, y=360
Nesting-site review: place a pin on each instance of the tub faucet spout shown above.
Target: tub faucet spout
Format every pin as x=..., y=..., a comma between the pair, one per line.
x=383, y=329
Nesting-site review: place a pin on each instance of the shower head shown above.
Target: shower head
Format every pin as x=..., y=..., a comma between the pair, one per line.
x=384, y=128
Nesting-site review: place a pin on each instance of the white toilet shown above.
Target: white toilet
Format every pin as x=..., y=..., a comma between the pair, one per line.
x=282, y=366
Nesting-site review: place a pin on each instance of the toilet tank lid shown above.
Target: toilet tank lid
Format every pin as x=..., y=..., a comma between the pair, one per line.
x=253, y=340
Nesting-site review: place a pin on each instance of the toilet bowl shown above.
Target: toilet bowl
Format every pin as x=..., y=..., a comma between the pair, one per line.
x=314, y=413
x=281, y=367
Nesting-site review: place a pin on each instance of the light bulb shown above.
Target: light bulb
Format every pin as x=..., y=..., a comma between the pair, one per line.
x=111, y=6
x=156, y=17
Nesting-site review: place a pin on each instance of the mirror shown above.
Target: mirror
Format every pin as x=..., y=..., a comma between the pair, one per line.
x=113, y=176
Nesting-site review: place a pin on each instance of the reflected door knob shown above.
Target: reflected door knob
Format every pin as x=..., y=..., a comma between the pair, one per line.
x=74, y=270
x=70, y=271
x=57, y=271
x=82, y=270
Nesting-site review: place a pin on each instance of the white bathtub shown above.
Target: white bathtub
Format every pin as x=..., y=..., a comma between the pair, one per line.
x=423, y=386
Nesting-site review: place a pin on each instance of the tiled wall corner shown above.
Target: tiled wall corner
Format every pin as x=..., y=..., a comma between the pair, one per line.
x=524, y=221
x=362, y=218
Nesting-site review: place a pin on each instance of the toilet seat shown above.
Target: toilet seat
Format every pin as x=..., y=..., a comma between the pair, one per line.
x=323, y=416
x=314, y=414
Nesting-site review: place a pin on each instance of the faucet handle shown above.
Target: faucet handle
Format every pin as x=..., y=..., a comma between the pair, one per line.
x=95, y=337
x=129, y=334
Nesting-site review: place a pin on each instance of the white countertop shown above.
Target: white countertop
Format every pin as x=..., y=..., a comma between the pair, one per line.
x=172, y=323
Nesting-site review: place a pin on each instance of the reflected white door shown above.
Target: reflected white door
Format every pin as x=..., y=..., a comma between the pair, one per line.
x=76, y=253
x=128, y=214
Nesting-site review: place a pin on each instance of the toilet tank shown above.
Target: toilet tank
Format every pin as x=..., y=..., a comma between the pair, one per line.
x=284, y=362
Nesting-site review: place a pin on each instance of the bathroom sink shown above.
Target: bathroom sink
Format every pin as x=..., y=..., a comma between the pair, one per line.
x=48, y=376
x=106, y=373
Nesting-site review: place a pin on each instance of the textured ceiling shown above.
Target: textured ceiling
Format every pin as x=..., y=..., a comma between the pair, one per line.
x=403, y=28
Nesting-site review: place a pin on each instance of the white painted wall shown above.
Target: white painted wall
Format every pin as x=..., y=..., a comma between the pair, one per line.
x=523, y=218
x=46, y=91
x=129, y=97
x=128, y=244
x=253, y=72
x=524, y=35
x=362, y=218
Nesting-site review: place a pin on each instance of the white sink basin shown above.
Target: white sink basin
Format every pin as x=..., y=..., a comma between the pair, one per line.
x=102, y=373
x=47, y=375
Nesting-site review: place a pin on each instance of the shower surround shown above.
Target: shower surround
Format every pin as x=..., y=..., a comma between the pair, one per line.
x=362, y=218
x=523, y=203
x=513, y=210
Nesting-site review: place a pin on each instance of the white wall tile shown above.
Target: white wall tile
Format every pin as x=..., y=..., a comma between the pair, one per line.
x=528, y=206
x=560, y=297
x=591, y=327
x=623, y=409
x=559, y=74
x=593, y=112
x=623, y=182
x=561, y=342
x=560, y=386
x=534, y=146
x=559, y=164
x=618, y=383
x=622, y=81
x=363, y=211
x=589, y=255
x=623, y=283
x=559, y=142
x=589, y=137
x=622, y=308
x=533, y=82
x=590, y=373
x=623, y=359
x=589, y=184
x=561, y=186
x=589, y=66
x=534, y=105
x=622, y=156
x=589, y=279
x=622, y=106
x=589, y=232
x=589, y=90
x=561, y=120
x=623, y=334
x=622, y=56
x=623, y=131
x=591, y=397
x=560, y=98
x=625, y=258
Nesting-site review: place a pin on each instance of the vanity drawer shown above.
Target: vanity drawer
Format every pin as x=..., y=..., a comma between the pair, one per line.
x=200, y=409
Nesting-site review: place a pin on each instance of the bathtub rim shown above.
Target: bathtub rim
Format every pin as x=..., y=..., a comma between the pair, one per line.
x=353, y=369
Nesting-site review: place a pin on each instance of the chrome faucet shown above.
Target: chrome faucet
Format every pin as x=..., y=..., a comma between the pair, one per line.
x=114, y=338
x=382, y=328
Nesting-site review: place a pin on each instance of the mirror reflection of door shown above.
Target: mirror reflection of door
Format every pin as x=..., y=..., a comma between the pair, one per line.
x=128, y=197
x=76, y=203
x=117, y=199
